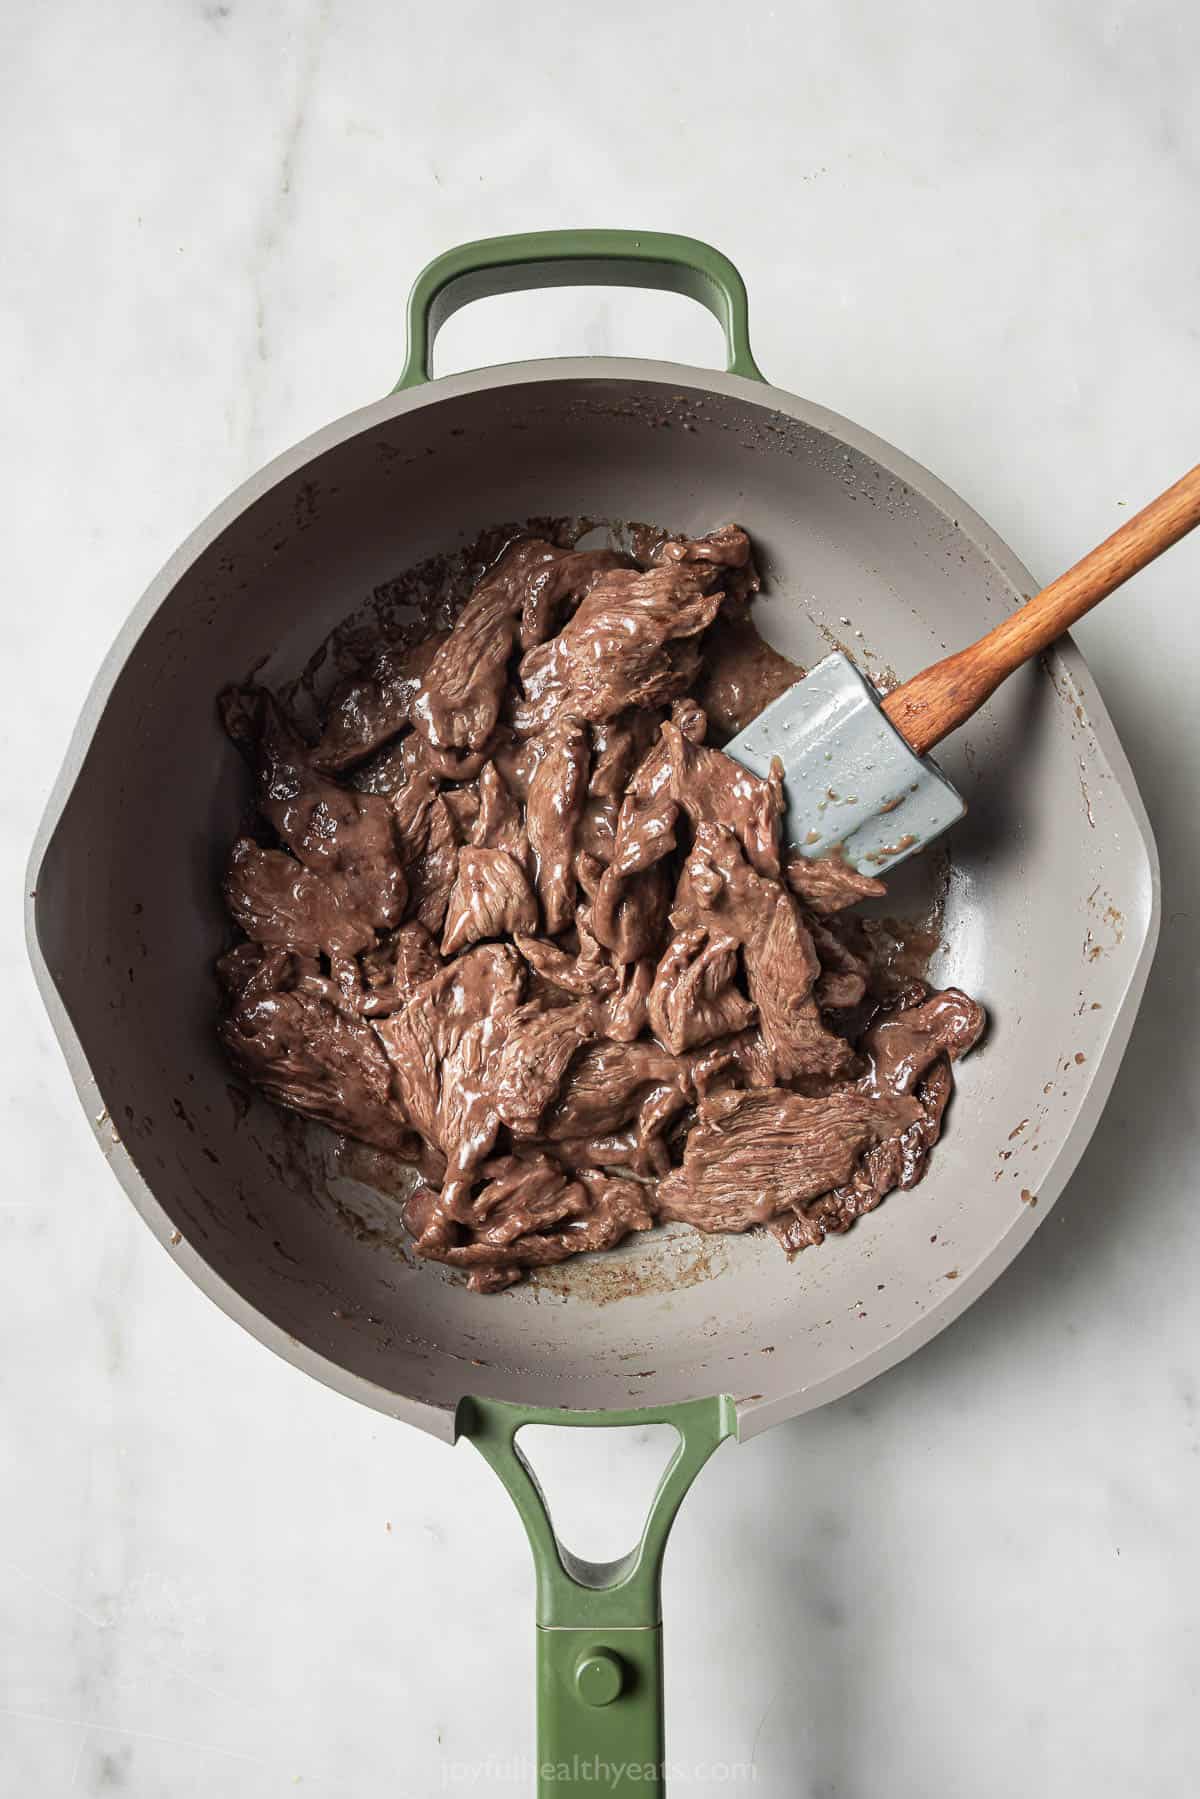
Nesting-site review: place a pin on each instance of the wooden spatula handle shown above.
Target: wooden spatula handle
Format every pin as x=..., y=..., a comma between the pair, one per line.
x=934, y=703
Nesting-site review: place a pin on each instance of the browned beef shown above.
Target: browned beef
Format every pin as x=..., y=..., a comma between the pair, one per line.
x=458, y=702
x=618, y=746
x=708, y=785
x=569, y=974
x=276, y=900
x=720, y=887
x=440, y=1046
x=312, y=1057
x=557, y=790
x=371, y=708
x=629, y=912
x=597, y=1211
x=695, y=996
x=491, y=897
x=626, y=1014
x=512, y=919
x=328, y=828
x=754, y=1153
x=829, y=884
x=596, y=831
x=402, y=960
x=463, y=805
x=904, y=1042
x=609, y=1081
x=539, y=1042
x=498, y=823
x=615, y=652
x=573, y=576
x=842, y=982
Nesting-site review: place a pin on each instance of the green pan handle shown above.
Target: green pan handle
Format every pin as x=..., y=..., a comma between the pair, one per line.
x=599, y=1635
x=509, y=265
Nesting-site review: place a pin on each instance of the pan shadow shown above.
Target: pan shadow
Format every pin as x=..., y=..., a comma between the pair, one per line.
x=827, y=1500
x=1126, y=1173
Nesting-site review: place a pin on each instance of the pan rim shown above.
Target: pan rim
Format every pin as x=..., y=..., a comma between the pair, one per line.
x=753, y=1416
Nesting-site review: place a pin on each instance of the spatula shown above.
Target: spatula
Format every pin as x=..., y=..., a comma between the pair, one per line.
x=857, y=772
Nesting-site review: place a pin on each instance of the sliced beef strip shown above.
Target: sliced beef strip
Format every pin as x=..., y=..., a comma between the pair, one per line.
x=631, y=891
x=459, y=701
x=904, y=1042
x=573, y=576
x=641, y=1147
x=604, y=1210
x=458, y=765
x=744, y=1060
x=538, y=1045
x=524, y=1192
x=570, y=974
x=629, y=912
x=330, y=829
x=438, y=1046
x=434, y=870
x=250, y=962
x=842, y=982
x=728, y=548
x=754, y=1153
x=608, y=1083
x=909, y=1050
x=618, y=746
x=311, y=1057
x=469, y=1059
x=557, y=791
x=695, y=997
x=276, y=900
x=645, y=833
x=596, y=832
x=720, y=888
x=898, y=1161
x=709, y=785
x=427, y=833
x=401, y=961
x=626, y=1013
x=498, y=824
x=491, y=897
x=828, y=883
x=614, y=652
x=464, y=806
x=618, y=1149
x=389, y=769
x=371, y=708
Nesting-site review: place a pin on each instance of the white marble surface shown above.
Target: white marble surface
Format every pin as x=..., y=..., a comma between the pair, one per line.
x=974, y=230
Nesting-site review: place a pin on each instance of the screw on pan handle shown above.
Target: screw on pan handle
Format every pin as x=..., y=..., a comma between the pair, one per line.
x=507, y=265
x=599, y=1635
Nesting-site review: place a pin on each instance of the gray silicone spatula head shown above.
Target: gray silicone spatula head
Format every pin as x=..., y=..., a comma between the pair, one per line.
x=851, y=782
x=857, y=776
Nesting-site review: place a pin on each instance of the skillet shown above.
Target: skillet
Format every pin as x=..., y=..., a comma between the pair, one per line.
x=1047, y=908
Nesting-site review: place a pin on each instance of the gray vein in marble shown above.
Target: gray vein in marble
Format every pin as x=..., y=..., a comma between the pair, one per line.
x=277, y=216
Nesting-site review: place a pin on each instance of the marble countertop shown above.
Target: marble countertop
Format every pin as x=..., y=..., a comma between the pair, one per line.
x=975, y=234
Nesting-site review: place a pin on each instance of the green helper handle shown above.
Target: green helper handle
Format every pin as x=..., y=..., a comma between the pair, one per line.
x=599, y=1624
x=507, y=265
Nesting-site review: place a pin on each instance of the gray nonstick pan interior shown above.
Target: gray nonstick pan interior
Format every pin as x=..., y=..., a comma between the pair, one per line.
x=1050, y=897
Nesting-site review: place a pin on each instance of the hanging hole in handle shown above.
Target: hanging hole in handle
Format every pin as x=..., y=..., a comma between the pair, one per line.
x=579, y=321
x=598, y=1485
